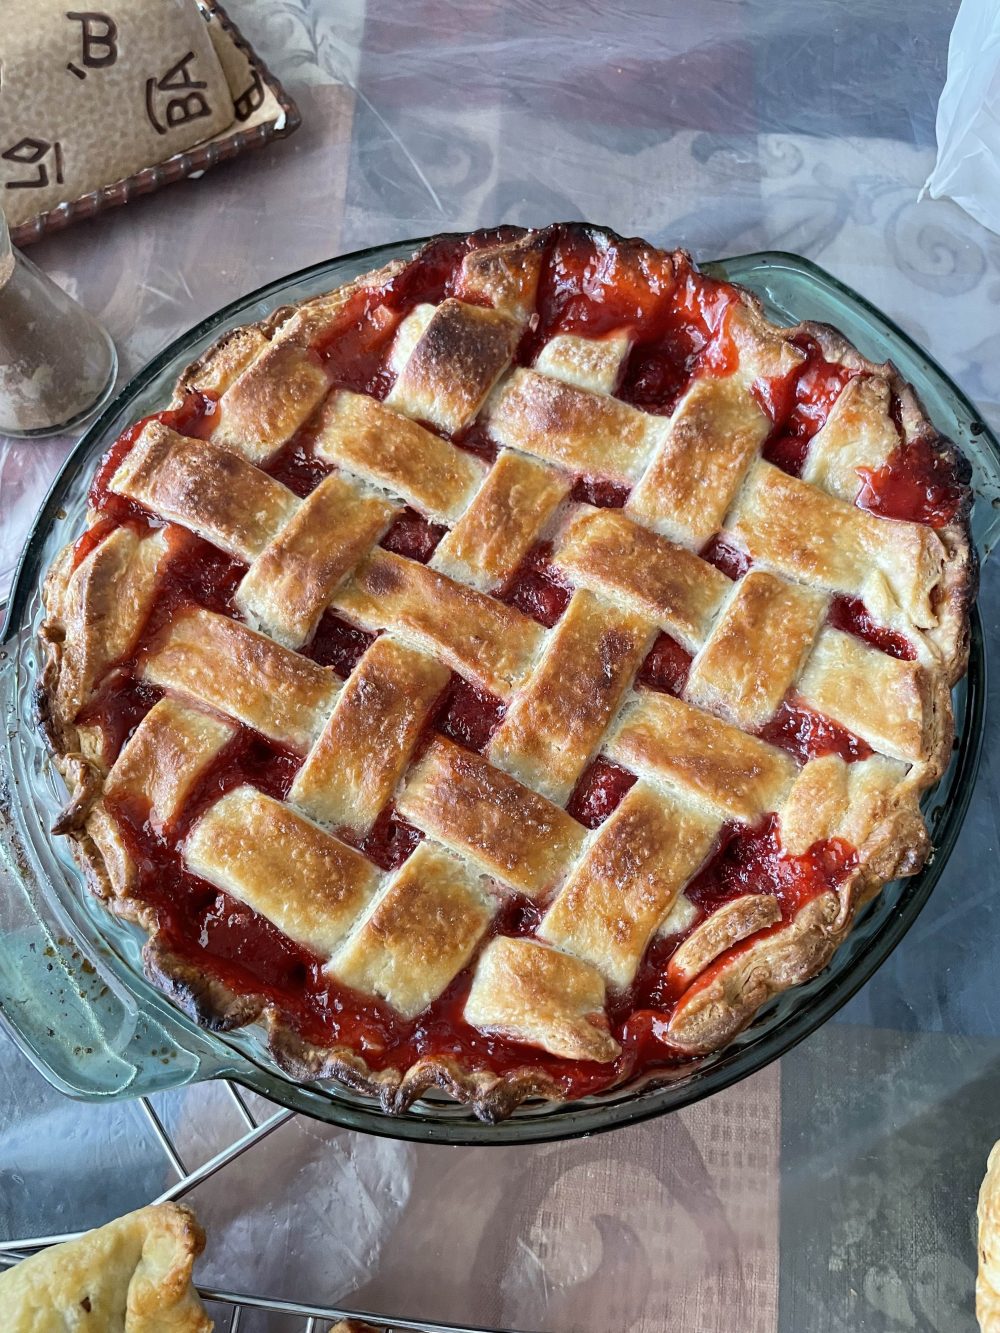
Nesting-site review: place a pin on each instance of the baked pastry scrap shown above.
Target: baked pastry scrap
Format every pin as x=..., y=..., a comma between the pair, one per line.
x=507, y=672
x=988, y=1280
x=133, y=1274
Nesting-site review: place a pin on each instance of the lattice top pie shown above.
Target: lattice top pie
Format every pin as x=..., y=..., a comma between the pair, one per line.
x=508, y=671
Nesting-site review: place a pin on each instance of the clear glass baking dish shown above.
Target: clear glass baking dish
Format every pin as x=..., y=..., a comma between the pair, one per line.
x=72, y=991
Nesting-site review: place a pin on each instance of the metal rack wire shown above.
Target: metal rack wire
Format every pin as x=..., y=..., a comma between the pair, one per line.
x=230, y=1307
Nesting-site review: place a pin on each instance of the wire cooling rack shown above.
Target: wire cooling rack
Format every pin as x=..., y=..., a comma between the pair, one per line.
x=232, y=1310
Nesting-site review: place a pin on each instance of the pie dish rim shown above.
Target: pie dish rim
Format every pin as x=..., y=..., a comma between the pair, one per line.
x=285, y=282
x=894, y=846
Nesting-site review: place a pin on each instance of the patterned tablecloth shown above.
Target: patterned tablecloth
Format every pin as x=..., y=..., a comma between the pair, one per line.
x=834, y=1192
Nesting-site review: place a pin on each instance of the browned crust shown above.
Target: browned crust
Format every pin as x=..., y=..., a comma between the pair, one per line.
x=728, y=925
x=961, y=577
x=988, y=1277
x=138, y=1269
x=710, y=1014
x=213, y=1005
x=82, y=776
x=235, y=349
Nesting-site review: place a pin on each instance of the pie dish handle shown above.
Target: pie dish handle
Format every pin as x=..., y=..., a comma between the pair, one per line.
x=71, y=1017
x=793, y=289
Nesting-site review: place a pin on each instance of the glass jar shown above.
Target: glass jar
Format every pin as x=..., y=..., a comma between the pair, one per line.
x=57, y=363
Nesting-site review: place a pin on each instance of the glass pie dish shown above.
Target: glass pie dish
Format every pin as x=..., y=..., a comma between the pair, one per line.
x=72, y=989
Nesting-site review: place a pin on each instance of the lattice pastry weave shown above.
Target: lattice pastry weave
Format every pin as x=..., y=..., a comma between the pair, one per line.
x=529, y=653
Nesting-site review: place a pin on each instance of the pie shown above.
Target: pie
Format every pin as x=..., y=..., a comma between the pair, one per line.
x=508, y=671
x=133, y=1274
x=988, y=1280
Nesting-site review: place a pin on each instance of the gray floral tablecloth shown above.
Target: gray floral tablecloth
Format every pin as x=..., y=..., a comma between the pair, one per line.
x=834, y=1192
